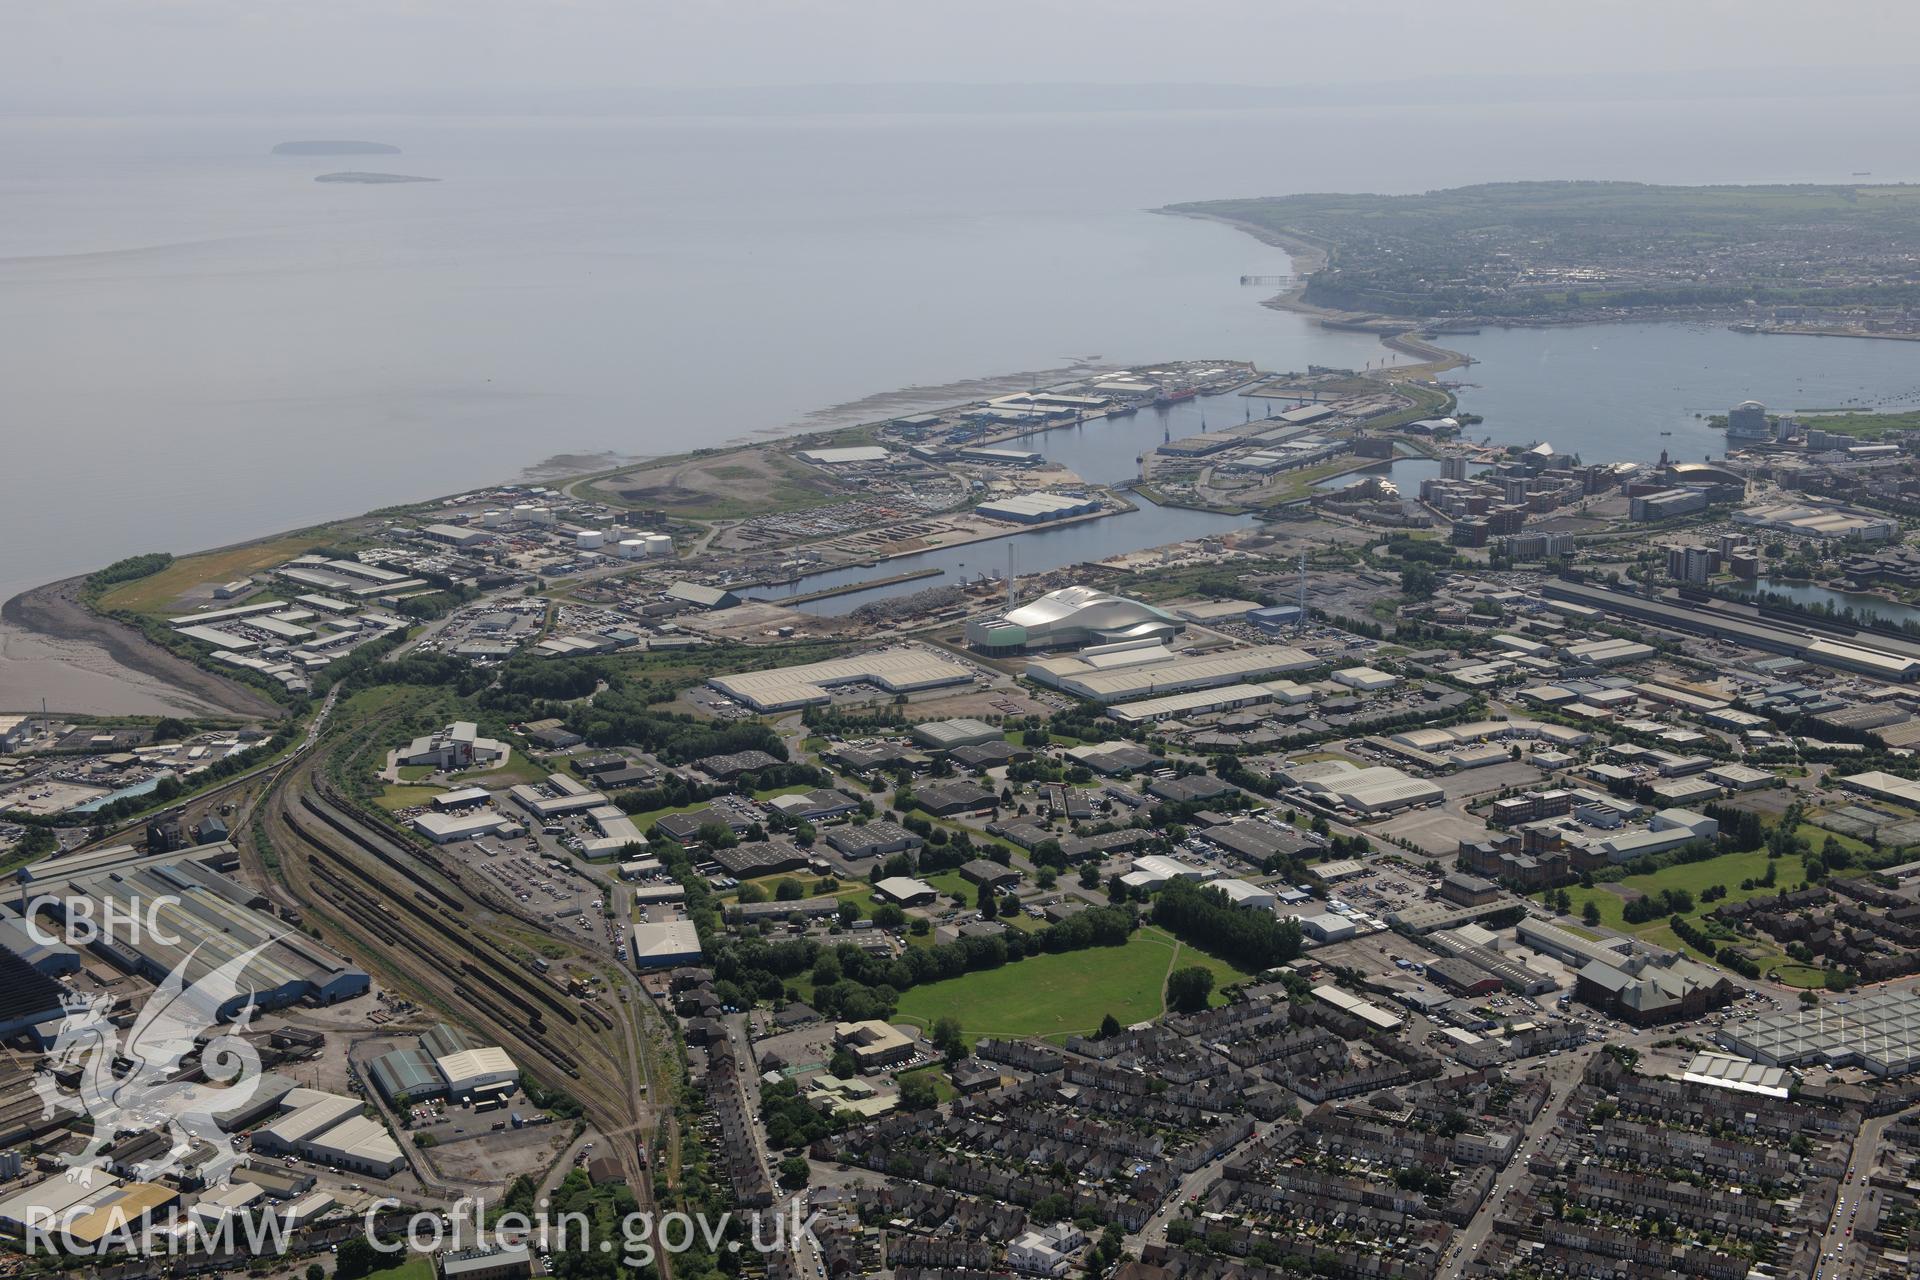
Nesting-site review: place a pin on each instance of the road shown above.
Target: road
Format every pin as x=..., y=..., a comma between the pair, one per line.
x=1563, y=1076
x=803, y=1254
x=1190, y=1186
x=565, y=1163
x=1853, y=1185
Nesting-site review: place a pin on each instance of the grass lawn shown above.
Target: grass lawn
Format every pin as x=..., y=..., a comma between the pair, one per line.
x=953, y=884
x=1728, y=869
x=1815, y=835
x=418, y=1266
x=1865, y=425
x=651, y=816
x=414, y=772
x=1062, y=994
x=1297, y=484
x=1801, y=975
x=1018, y=738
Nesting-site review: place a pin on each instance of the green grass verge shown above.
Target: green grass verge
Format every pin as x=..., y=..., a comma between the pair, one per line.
x=942, y=1087
x=158, y=592
x=402, y=796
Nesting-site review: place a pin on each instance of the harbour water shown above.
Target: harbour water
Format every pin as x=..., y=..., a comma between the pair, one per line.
x=1103, y=451
x=137, y=789
x=1406, y=474
x=1866, y=608
x=1628, y=392
x=1035, y=551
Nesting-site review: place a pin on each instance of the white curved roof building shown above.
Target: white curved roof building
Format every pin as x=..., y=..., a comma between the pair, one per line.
x=1069, y=617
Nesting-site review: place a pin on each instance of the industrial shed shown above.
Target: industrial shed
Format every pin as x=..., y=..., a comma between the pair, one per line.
x=887, y=670
x=473, y=1070
x=407, y=1074
x=211, y=918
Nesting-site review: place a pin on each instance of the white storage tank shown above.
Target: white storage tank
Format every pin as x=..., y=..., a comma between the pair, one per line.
x=589, y=540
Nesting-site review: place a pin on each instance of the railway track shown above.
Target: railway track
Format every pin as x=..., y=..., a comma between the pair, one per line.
x=413, y=918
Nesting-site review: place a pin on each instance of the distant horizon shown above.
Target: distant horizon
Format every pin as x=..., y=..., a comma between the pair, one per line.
x=976, y=97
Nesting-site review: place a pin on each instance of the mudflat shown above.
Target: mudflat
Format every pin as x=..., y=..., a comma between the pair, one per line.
x=53, y=647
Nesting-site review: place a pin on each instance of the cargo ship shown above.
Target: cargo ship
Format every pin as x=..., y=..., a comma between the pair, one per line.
x=1175, y=397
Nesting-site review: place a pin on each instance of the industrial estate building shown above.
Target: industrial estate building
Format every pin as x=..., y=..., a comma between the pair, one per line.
x=1037, y=508
x=446, y=1062
x=946, y=735
x=458, y=746
x=893, y=671
x=1375, y=789
x=1137, y=672
x=1831, y=523
x=206, y=921
x=332, y=1129
x=1878, y=1032
x=666, y=944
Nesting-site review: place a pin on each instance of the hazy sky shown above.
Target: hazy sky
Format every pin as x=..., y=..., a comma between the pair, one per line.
x=61, y=55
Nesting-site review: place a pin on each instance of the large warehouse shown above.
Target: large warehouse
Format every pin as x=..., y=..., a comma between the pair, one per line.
x=1068, y=618
x=889, y=670
x=331, y=1129
x=1153, y=671
x=445, y=1061
x=206, y=917
x=665, y=944
x=1192, y=703
x=1878, y=1032
x=1884, y=658
x=1377, y=789
x=1037, y=508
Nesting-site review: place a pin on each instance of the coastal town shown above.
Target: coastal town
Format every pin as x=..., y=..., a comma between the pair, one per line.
x=1453, y=860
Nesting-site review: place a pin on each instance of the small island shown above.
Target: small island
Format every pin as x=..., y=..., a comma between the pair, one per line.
x=327, y=147
x=374, y=178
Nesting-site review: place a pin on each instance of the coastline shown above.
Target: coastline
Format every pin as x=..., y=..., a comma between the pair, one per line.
x=1309, y=256
x=53, y=646
x=1404, y=335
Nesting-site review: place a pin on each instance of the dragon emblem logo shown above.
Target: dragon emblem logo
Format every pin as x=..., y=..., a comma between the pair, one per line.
x=138, y=1086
